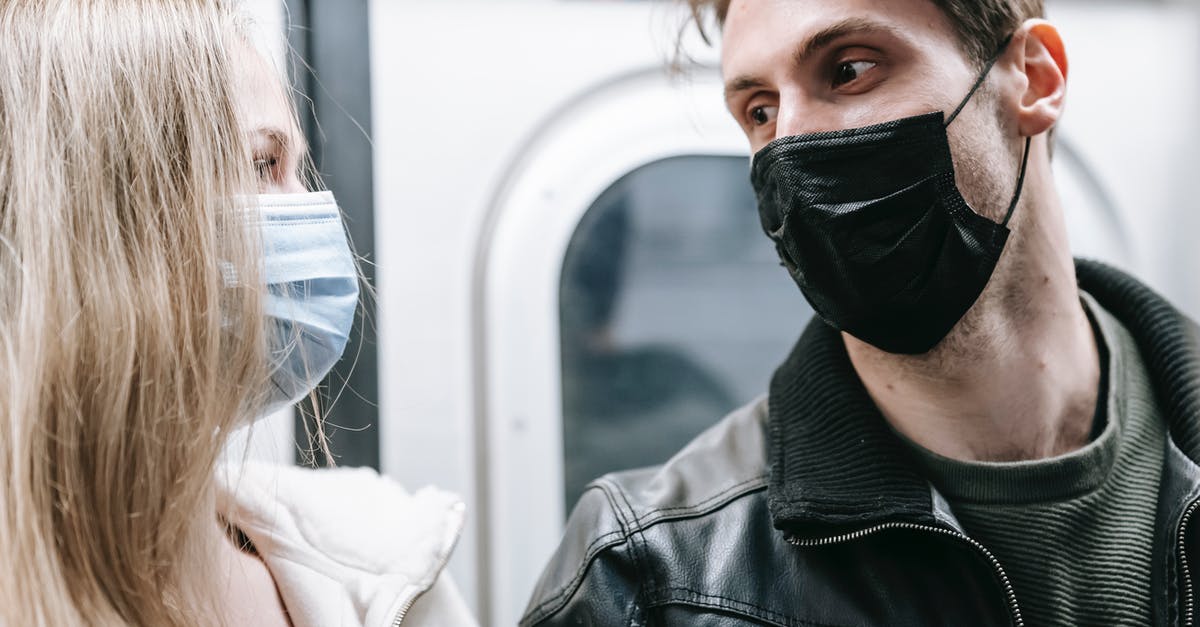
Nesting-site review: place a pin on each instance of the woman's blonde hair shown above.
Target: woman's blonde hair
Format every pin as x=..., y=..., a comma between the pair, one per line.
x=131, y=332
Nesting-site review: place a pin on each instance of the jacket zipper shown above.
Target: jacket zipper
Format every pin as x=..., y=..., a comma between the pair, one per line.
x=441, y=566
x=1010, y=594
x=408, y=606
x=1188, y=593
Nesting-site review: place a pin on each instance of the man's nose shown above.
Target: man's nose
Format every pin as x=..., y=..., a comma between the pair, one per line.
x=797, y=117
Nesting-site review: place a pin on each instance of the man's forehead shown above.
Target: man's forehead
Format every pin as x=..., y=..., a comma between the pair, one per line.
x=764, y=25
x=913, y=11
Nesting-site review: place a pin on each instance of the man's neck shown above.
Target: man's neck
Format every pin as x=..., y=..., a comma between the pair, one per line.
x=1018, y=379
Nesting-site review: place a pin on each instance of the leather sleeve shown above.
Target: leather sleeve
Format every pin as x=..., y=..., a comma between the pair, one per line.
x=593, y=577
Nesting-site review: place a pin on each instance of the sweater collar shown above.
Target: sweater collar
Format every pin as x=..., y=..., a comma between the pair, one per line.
x=835, y=464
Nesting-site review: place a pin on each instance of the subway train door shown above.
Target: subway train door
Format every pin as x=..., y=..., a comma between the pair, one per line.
x=629, y=300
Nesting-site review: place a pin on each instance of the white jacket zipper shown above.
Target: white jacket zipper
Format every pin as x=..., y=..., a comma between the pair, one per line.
x=1010, y=594
x=441, y=566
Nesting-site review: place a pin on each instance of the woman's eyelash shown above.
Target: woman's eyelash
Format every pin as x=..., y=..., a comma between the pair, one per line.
x=262, y=164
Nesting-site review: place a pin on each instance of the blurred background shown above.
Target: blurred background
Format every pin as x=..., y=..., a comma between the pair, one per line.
x=570, y=274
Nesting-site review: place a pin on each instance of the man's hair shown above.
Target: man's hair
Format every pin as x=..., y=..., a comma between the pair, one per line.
x=981, y=25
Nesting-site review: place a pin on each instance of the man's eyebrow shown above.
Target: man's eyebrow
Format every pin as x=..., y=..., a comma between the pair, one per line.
x=742, y=83
x=834, y=32
x=814, y=44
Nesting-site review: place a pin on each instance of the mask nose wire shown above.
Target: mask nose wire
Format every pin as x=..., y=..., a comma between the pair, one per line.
x=982, y=77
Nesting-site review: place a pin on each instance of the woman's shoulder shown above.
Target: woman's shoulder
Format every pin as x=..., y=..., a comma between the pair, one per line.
x=317, y=489
x=355, y=515
x=351, y=527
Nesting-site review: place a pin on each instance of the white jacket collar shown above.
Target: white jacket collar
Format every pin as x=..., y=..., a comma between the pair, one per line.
x=346, y=547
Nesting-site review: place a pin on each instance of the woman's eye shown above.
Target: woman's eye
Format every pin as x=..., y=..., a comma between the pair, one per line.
x=265, y=167
x=850, y=71
x=762, y=116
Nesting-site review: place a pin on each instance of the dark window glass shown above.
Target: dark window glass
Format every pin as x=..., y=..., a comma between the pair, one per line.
x=674, y=311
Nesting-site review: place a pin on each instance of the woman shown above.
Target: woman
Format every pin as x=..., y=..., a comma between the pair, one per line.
x=163, y=279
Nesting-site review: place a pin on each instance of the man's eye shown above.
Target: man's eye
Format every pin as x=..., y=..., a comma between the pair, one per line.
x=761, y=116
x=849, y=71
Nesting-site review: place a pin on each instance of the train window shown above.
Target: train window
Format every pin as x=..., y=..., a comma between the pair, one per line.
x=673, y=312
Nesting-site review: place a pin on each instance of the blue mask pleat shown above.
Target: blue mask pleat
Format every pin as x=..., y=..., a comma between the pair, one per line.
x=311, y=290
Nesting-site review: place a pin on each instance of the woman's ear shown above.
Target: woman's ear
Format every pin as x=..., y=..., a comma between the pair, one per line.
x=1044, y=61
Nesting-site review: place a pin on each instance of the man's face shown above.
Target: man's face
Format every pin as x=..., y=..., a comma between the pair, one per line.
x=801, y=66
x=793, y=67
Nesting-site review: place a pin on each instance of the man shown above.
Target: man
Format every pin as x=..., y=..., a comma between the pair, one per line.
x=976, y=430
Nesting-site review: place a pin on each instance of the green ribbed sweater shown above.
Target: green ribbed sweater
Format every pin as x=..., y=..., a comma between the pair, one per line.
x=1074, y=533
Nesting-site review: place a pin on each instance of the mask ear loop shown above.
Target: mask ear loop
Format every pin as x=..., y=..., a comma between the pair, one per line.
x=982, y=77
x=1012, y=207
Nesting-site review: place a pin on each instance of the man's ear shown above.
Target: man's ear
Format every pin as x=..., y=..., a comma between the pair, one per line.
x=1044, y=61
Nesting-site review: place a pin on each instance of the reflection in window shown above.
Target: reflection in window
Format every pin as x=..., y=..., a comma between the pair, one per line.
x=673, y=312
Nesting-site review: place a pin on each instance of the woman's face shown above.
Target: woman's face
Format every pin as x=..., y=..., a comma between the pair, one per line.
x=277, y=146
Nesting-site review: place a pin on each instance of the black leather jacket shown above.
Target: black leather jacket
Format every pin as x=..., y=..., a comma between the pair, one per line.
x=805, y=511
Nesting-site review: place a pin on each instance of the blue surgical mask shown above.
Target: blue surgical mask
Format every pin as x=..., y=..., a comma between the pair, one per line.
x=311, y=290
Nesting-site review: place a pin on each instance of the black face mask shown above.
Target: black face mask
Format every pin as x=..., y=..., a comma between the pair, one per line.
x=872, y=227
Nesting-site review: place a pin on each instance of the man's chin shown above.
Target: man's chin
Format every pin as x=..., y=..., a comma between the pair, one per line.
x=968, y=340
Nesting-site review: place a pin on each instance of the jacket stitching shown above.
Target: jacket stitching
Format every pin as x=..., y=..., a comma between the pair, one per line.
x=564, y=593
x=627, y=532
x=657, y=514
x=726, y=603
x=632, y=529
x=561, y=597
x=637, y=542
x=642, y=524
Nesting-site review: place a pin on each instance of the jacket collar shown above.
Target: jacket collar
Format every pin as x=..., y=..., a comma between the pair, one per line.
x=1168, y=341
x=346, y=546
x=835, y=464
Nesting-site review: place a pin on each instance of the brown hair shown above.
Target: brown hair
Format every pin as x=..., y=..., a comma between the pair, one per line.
x=131, y=325
x=982, y=25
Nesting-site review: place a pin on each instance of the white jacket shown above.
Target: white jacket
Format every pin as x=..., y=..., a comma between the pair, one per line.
x=348, y=547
